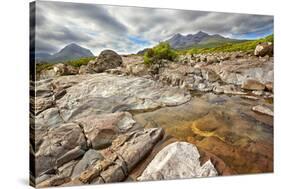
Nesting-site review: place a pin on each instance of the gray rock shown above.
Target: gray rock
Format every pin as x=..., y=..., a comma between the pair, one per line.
x=56, y=144
x=89, y=158
x=42, y=104
x=46, y=74
x=70, y=155
x=251, y=84
x=125, y=153
x=105, y=93
x=263, y=109
x=175, y=161
x=212, y=59
x=107, y=59
x=101, y=130
x=210, y=75
x=50, y=117
x=228, y=89
x=137, y=145
x=233, y=74
x=263, y=49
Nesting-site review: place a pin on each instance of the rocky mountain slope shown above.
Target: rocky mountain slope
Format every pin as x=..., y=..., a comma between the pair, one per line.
x=179, y=41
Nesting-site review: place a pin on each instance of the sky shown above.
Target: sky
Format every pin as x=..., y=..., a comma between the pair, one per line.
x=130, y=29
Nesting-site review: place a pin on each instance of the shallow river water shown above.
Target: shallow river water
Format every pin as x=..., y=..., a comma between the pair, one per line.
x=222, y=125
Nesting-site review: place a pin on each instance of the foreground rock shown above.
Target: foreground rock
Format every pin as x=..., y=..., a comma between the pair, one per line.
x=106, y=93
x=263, y=49
x=57, y=70
x=107, y=59
x=237, y=72
x=109, y=165
x=101, y=130
x=263, y=110
x=177, y=160
x=60, y=145
x=251, y=84
x=125, y=153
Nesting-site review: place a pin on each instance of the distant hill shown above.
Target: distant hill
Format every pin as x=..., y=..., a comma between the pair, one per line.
x=141, y=52
x=42, y=56
x=200, y=39
x=69, y=52
x=248, y=45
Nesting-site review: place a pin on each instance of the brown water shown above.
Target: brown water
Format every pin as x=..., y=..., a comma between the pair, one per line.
x=223, y=125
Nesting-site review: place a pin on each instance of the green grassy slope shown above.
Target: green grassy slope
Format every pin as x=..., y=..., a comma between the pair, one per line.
x=226, y=47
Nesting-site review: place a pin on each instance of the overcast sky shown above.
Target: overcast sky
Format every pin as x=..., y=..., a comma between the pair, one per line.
x=129, y=29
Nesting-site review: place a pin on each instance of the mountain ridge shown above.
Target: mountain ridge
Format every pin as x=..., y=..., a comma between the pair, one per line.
x=179, y=41
x=69, y=52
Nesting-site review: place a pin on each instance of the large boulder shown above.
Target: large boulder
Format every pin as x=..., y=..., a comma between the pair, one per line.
x=107, y=59
x=177, y=160
x=263, y=49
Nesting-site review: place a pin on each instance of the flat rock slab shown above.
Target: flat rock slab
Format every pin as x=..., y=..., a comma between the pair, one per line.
x=177, y=160
x=106, y=93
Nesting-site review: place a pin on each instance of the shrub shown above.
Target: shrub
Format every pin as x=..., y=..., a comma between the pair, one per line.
x=43, y=66
x=79, y=62
x=161, y=51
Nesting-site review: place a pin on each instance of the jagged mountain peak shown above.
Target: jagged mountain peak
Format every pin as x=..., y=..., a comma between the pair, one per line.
x=179, y=41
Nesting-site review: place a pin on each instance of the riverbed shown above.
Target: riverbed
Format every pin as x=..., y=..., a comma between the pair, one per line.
x=223, y=125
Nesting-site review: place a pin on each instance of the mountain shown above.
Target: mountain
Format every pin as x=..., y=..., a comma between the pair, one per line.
x=69, y=52
x=42, y=56
x=141, y=52
x=179, y=41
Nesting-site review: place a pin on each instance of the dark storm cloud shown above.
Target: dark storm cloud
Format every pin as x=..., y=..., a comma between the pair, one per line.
x=44, y=47
x=86, y=13
x=101, y=26
x=64, y=34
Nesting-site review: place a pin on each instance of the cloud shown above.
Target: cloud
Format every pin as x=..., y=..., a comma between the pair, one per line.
x=129, y=29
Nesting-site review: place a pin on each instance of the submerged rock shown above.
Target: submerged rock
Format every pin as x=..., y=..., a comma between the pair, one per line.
x=177, y=160
x=263, y=110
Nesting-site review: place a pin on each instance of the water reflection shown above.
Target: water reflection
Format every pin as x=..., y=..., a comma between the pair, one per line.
x=223, y=125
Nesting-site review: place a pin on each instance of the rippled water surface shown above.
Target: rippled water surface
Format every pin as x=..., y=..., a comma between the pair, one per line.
x=223, y=125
